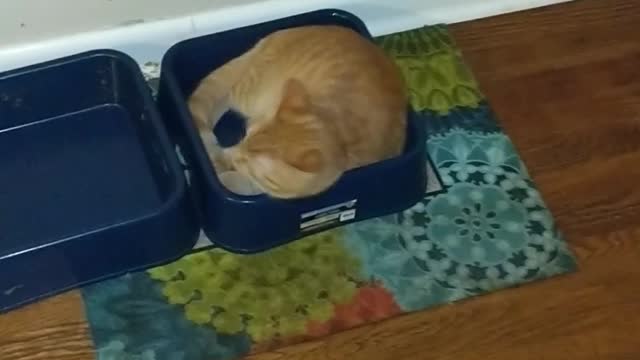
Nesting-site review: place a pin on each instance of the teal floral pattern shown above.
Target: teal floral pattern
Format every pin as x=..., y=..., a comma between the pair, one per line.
x=130, y=320
x=475, y=224
x=490, y=229
x=475, y=157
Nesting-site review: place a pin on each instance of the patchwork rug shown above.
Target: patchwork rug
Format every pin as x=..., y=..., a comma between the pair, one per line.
x=481, y=227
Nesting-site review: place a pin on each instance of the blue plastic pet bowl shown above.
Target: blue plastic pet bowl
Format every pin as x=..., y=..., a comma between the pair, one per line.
x=89, y=183
x=91, y=187
x=254, y=223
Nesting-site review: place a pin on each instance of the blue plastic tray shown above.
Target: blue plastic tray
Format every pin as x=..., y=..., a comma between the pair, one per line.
x=89, y=183
x=91, y=187
x=255, y=223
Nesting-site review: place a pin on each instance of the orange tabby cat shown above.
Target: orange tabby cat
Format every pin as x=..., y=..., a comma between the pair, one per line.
x=319, y=100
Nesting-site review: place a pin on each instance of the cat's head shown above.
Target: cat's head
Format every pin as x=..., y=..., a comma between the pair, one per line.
x=293, y=155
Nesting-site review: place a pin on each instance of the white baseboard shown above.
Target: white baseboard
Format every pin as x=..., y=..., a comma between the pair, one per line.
x=148, y=28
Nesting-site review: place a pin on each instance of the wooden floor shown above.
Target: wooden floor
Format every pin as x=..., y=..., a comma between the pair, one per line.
x=565, y=81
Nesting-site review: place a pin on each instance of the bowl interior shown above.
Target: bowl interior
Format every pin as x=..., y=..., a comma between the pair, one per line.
x=189, y=61
x=78, y=151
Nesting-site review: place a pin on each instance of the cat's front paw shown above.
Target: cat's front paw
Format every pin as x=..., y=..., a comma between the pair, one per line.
x=216, y=155
x=238, y=183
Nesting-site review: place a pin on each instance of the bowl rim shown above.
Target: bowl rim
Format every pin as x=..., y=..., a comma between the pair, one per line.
x=178, y=187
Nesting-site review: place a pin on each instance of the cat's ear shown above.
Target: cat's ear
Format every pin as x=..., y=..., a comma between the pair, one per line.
x=295, y=96
x=309, y=161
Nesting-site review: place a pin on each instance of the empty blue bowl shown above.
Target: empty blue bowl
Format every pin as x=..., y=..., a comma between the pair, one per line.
x=254, y=223
x=89, y=183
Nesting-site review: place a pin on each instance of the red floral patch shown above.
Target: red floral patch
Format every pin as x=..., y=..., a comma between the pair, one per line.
x=371, y=303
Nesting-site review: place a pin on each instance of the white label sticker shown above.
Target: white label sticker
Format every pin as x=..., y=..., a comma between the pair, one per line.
x=329, y=215
x=348, y=215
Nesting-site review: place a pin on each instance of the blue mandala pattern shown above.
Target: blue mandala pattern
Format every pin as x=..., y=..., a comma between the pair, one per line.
x=474, y=224
x=489, y=230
